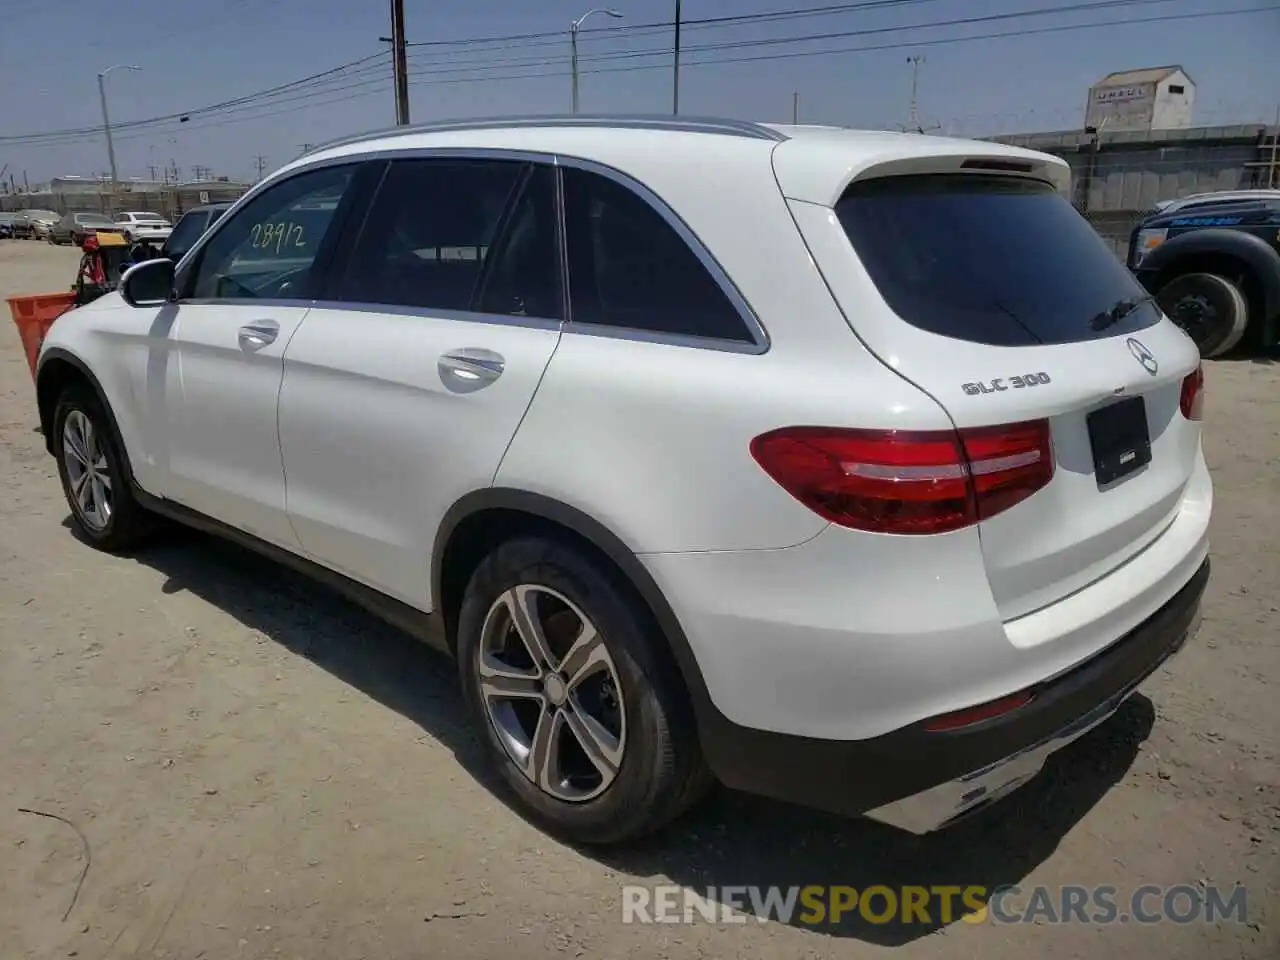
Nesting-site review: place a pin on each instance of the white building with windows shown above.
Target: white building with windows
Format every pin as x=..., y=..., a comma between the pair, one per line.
x=1153, y=98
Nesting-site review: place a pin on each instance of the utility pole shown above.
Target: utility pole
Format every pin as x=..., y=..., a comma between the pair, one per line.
x=1275, y=143
x=106, y=122
x=675, y=80
x=915, y=62
x=261, y=163
x=574, y=27
x=151, y=167
x=399, y=64
x=795, y=108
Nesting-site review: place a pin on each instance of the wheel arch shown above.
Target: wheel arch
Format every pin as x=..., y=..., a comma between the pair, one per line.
x=481, y=519
x=1210, y=251
x=57, y=369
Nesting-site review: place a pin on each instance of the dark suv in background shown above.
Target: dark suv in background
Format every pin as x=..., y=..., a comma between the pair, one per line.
x=191, y=227
x=1213, y=263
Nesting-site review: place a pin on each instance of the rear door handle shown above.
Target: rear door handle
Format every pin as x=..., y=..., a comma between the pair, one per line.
x=470, y=369
x=260, y=333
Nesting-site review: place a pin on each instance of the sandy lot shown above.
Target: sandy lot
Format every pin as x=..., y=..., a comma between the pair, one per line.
x=261, y=770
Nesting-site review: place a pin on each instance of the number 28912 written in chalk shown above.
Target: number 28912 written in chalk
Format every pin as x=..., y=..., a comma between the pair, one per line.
x=278, y=237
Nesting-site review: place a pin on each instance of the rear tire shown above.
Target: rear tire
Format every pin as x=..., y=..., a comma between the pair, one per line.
x=1209, y=308
x=613, y=699
x=94, y=473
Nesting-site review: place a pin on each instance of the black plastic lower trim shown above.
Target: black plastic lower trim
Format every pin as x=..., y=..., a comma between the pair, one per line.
x=422, y=626
x=851, y=777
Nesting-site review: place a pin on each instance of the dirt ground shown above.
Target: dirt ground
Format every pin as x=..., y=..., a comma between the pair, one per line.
x=260, y=770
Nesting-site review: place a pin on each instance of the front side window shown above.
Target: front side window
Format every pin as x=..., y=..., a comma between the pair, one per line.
x=629, y=268
x=268, y=248
x=459, y=235
x=93, y=220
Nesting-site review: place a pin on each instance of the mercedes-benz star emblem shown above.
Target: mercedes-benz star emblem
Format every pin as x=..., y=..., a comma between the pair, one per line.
x=1143, y=356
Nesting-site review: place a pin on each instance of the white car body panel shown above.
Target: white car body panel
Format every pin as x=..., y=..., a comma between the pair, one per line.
x=863, y=657
x=220, y=400
x=1070, y=533
x=128, y=355
x=376, y=446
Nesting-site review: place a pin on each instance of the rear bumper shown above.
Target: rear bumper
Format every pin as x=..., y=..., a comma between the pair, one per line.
x=920, y=780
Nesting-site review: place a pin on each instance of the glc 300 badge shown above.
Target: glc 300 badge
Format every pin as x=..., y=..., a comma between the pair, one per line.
x=1006, y=383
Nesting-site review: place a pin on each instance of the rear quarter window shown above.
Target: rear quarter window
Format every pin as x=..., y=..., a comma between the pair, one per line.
x=998, y=260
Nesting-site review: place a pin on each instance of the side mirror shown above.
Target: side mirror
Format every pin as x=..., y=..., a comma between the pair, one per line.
x=148, y=284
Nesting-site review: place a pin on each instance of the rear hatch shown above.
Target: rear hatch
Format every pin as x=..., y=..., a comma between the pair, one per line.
x=988, y=291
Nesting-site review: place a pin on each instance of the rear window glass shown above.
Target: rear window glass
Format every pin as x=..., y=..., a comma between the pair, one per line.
x=990, y=259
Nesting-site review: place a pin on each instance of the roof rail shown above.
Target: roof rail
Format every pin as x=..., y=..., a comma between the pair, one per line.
x=738, y=128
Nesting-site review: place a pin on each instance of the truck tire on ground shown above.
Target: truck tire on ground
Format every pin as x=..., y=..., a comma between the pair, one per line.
x=1211, y=309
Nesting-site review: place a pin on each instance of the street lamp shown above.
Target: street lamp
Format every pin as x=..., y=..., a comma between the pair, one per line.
x=573, y=43
x=106, y=121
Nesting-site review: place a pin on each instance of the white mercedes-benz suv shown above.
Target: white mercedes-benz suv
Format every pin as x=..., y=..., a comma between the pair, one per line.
x=848, y=468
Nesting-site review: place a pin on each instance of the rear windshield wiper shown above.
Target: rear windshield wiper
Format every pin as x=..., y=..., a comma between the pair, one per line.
x=1119, y=310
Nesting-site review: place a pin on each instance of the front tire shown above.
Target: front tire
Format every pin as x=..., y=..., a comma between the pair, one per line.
x=577, y=709
x=95, y=479
x=1209, y=308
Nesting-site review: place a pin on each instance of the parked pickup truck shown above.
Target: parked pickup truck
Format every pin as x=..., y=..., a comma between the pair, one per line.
x=1212, y=261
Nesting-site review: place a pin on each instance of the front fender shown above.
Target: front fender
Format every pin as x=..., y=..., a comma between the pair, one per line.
x=1253, y=251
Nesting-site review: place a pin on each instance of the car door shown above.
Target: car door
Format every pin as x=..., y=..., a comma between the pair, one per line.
x=404, y=387
x=242, y=295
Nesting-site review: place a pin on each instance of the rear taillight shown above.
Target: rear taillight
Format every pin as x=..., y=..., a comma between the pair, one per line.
x=1192, y=399
x=897, y=481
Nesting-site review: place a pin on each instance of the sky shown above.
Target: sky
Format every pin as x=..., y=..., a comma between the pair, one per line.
x=194, y=55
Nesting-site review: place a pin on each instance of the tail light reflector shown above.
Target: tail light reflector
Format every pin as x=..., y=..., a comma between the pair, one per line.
x=984, y=711
x=1192, y=399
x=909, y=482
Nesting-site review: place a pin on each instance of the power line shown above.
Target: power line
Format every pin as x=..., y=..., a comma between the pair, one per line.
x=663, y=25
x=320, y=95
x=292, y=85
x=1096, y=5
x=373, y=62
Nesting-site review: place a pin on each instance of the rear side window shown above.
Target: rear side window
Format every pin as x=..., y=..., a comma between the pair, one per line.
x=460, y=235
x=990, y=259
x=629, y=268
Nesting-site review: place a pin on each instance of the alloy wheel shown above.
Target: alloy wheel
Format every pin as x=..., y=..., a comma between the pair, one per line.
x=88, y=474
x=551, y=691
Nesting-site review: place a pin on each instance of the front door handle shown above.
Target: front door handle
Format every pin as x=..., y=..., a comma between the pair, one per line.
x=470, y=369
x=260, y=333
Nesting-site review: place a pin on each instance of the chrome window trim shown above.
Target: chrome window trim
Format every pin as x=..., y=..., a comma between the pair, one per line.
x=759, y=343
x=229, y=302
x=428, y=313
